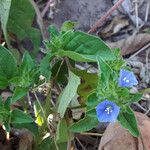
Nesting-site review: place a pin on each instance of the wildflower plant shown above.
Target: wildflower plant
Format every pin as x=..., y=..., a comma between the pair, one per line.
x=103, y=96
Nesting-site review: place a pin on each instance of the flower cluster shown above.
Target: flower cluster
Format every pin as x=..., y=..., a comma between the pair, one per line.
x=108, y=111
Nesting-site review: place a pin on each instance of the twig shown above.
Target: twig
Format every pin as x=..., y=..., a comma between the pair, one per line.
x=39, y=19
x=29, y=100
x=140, y=106
x=104, y=17
x=46, y=8
x=147, y=112
x=80, y=143
x=136, y=14
x=92, y=134
x=147, y=57
x=142, y=49
x=147, y=12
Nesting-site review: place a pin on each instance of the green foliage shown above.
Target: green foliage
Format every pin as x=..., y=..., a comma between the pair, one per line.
x=17, y=116
x=78, y=45
x=28, y=73
x=19, y=93
x=62, y=131
x=20, y=23
x=85, y=124
x=3, y=82
x=45, y=68
x=8, y=65
x=127, y=120
x=57, y=80
x=4, y=15
x=68, y=25
x=68, y=93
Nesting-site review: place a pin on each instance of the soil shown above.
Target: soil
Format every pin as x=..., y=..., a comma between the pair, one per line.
x=85, y=12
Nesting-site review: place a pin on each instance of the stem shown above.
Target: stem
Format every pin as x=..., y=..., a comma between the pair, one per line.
x=45, y=118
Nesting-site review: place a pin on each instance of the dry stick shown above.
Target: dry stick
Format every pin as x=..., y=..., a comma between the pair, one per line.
x=147, y=12
x=104, y=17
x=83, y=148
x=46, y=8
x=142, y=49
x=136, y=14
x=92, y=134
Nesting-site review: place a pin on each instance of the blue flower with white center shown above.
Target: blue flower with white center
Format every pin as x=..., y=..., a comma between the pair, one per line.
x=127, y=78
x=107, y=111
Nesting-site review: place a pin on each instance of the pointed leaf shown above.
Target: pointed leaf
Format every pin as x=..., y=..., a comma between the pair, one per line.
x=68, y=93
x=18, y=116
x=62, y=131
x=19, y=93
x=4, y=14
x=8, y=65
x=127, y=120
x=20, y=22
x=85, y=124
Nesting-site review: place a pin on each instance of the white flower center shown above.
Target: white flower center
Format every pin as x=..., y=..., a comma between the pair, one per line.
x=108, y=110
x=126, y=80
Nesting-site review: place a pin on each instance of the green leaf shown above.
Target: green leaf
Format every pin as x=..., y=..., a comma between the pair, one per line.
x=47, y=144
x=60, y=71
x=134, y=97
x=77, y=56
x=68, y=25
x=62, y=131
x=53, y=31
x=8, y=65
x=7, y=104
x=69, y=92
x=85, y=124
x=18, y=116
x=104, y=72
x=3, y=82
x=88, y=45
x=28, y=73
x=45, y=68
x=80, y=46
x=19, y=93
x=20, y=23
x=62, y=146
x=4, y=14
x=7, y=126
x=127, y=120
x=92, y=101
x=27, y=63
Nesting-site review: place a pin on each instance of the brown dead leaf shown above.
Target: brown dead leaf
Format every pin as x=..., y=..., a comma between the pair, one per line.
x=25, y=138
x=131, y=44
x=118, y=138
x=114, y=27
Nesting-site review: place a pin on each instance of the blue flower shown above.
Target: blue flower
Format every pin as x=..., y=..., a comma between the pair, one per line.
x=107, y=111
x=127, y=79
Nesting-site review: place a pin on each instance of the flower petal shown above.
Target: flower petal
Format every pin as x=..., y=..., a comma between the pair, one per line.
x=127, y=79
x=107, y=111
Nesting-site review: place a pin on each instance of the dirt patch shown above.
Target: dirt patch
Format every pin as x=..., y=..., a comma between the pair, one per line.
x=85, y=12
